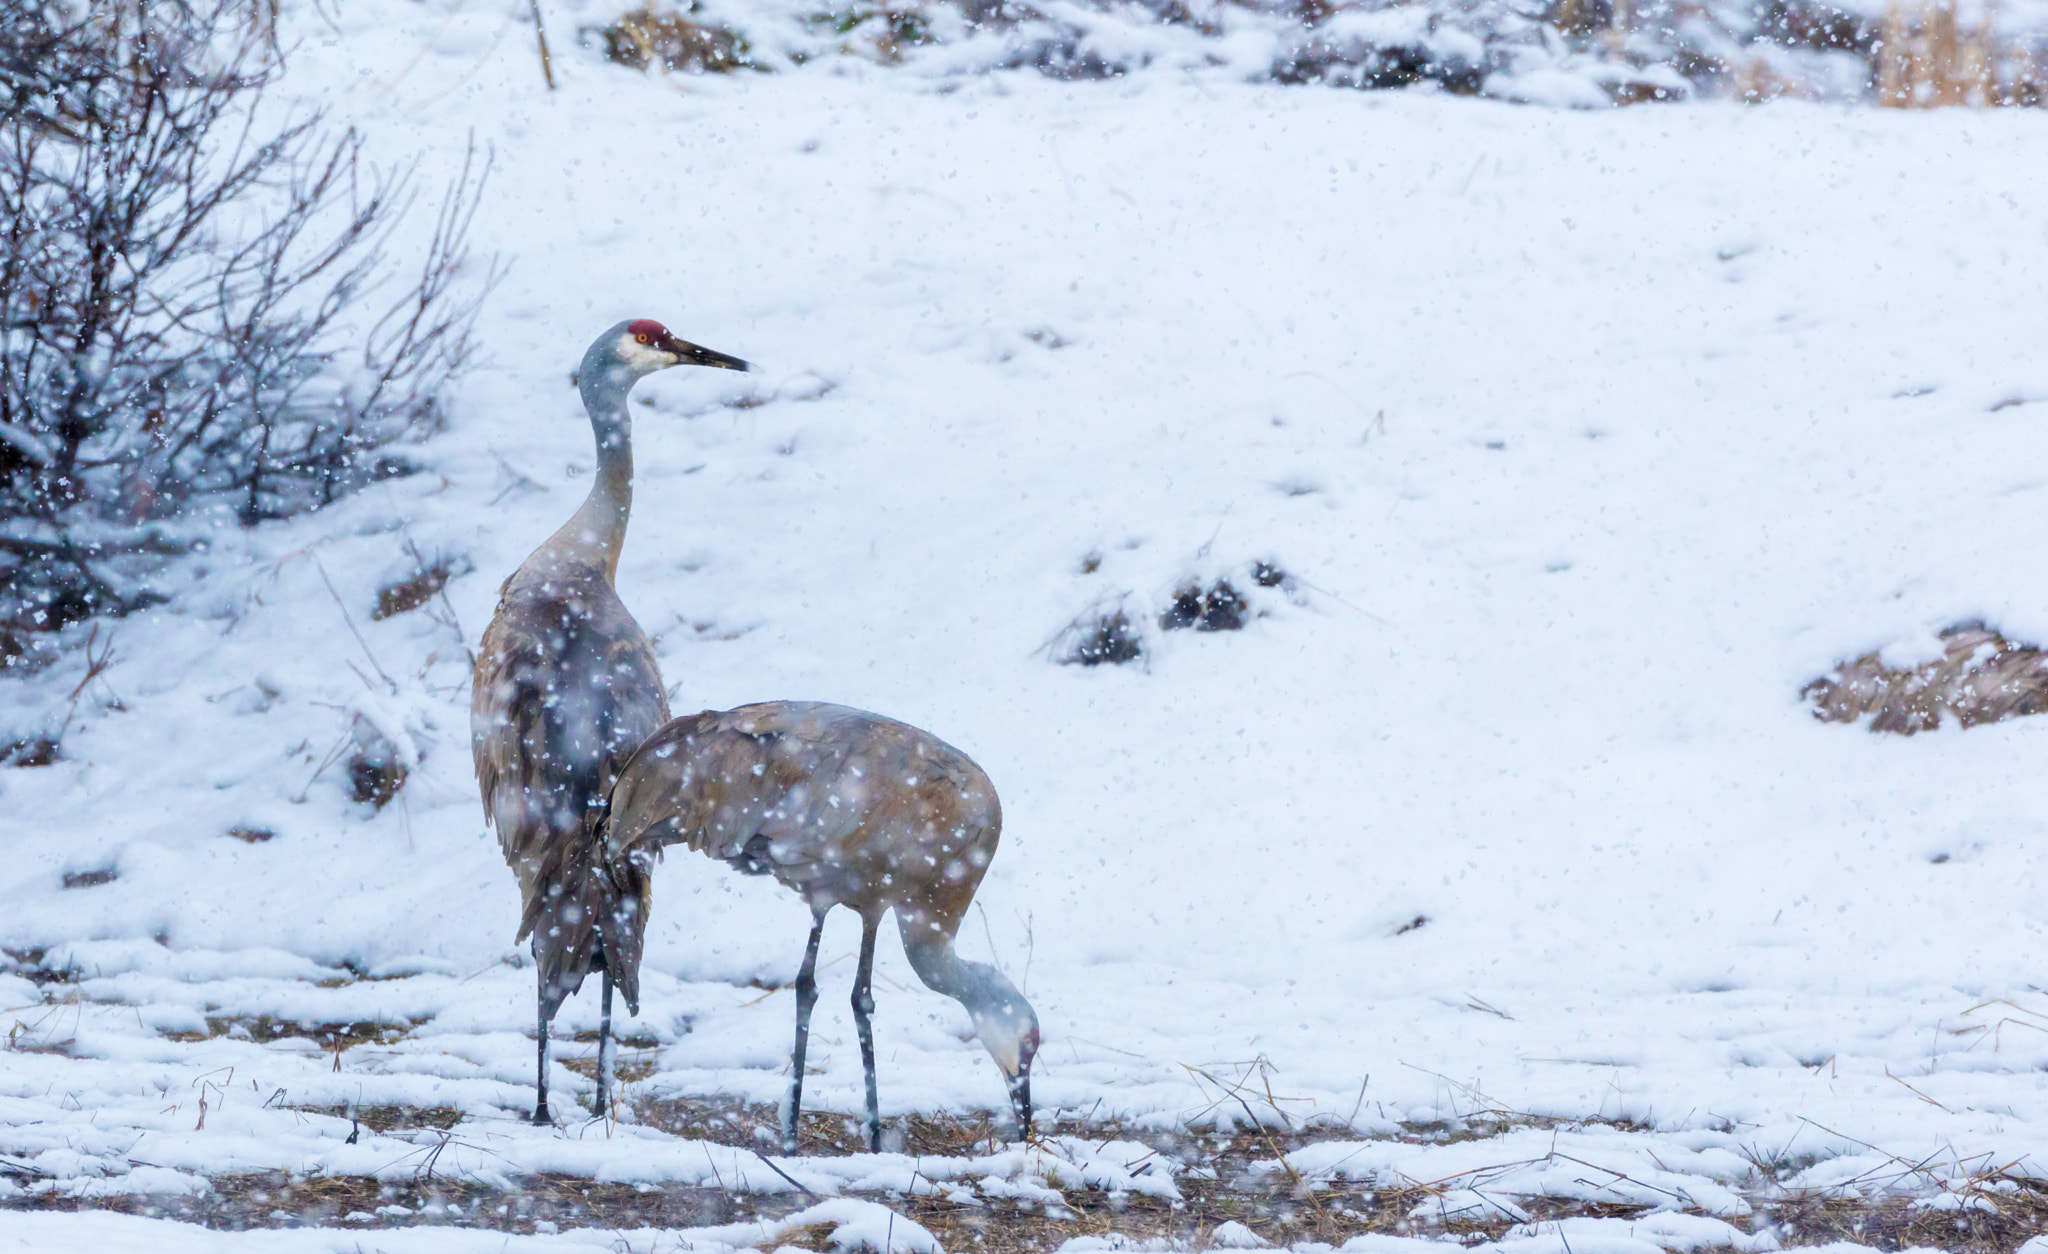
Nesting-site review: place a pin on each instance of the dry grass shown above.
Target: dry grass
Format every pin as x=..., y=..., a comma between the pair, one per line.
x=1926, y=58
x=1898, y=1223
x=1981, y=677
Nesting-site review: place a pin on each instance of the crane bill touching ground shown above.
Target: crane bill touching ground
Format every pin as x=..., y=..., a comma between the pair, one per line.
x=848, y=809
x=566, y=687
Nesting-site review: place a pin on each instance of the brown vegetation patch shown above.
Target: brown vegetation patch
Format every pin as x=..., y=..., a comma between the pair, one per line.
x=647, y=37
x=1926, y=57
x=420, y=587
x=34, y=751
x=1981, y=677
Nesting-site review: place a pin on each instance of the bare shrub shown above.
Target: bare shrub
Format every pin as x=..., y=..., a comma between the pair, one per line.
x=196, y=313
x=1981, y=677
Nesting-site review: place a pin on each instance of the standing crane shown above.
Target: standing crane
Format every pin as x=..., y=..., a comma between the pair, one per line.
x=566, y=687
x=848, y=809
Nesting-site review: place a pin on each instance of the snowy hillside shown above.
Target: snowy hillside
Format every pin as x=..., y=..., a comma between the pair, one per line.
x=1584, y=439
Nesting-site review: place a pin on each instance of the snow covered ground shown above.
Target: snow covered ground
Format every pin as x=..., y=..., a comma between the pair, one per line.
x=1585, y=438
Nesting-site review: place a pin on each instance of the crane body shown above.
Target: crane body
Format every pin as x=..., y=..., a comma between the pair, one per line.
x=848, y=809
x=566, y=687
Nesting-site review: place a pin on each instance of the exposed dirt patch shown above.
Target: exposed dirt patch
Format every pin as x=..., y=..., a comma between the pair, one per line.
x=277, y=1200
x=332, y=1037
x=382, y=1119
x=1213, y=1170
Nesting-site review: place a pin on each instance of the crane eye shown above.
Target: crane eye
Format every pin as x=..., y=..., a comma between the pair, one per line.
x=642, y=337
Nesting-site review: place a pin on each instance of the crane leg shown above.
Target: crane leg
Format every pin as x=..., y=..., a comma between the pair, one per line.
x=806, y=997
x=863, y=1007
x=605, y=1050
x=540, y=1111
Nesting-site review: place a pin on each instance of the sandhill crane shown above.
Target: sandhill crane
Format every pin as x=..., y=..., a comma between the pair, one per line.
x=566, y=687
x=849, y=809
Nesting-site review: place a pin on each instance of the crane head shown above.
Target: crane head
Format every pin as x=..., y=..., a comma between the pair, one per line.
x=1009, y=1031
x=646, y=346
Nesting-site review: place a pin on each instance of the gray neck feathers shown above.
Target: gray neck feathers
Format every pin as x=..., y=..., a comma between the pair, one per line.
x=988, y=992
x=983, y=991
x=597, y=532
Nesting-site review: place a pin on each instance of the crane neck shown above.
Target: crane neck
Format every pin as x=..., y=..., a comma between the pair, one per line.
x=1001, y=1014
x=596, y=533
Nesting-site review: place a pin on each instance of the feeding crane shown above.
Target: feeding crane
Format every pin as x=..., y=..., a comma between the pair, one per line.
x=566, y=687
x=848, y=809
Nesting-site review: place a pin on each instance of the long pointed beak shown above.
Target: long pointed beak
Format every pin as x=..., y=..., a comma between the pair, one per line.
x=698, y=355
x=1020, y=1101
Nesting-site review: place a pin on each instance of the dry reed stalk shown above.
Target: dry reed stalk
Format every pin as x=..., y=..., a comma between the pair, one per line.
x=540, y=30
x=1927, y=59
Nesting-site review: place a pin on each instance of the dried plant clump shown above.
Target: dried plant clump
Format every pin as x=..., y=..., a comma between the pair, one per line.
x=31, y=751
x=1981, y=677
x=374, y=781
x=1107, y=639
x=377, y=770
x=420, y=587
x=648, y=36
x=1221, y=608
x=90, y=879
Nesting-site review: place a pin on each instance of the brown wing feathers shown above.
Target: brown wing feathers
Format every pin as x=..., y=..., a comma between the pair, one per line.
x=566, y=687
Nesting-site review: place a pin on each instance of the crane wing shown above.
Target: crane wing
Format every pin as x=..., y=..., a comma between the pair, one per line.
x=566, y=688
x=779, y=785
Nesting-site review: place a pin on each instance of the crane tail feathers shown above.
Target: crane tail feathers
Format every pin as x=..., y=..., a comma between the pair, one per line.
x=582, y=918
